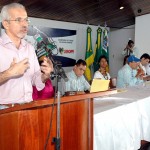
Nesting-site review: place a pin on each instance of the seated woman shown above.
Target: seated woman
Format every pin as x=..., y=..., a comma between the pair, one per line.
x=47, y=92
x=102, y=73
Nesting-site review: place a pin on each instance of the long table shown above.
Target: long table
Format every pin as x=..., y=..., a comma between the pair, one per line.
x=122, y=120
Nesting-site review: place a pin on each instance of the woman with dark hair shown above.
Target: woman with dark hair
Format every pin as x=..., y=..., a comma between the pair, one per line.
x=102, y=73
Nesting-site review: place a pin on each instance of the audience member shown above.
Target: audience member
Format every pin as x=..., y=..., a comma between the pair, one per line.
x=19, y=67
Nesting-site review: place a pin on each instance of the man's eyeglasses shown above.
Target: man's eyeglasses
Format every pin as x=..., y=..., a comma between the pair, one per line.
x=20, y=20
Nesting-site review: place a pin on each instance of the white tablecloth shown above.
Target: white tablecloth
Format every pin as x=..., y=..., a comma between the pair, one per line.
x=122, y=120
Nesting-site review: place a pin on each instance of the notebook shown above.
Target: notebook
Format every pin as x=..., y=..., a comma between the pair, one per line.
x=99, y=85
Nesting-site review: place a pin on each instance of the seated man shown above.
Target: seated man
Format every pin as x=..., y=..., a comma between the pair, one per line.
x=145, y=58
x=76, y=80
x=128, y=74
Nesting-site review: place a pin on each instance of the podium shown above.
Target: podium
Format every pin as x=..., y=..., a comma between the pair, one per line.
x=25, y=127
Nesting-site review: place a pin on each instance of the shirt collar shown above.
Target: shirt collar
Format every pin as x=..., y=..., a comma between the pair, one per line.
x=73, y=74
x=6, y=40
x=129, y=67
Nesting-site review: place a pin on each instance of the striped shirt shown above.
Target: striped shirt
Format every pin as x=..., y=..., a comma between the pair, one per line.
x=75, y=83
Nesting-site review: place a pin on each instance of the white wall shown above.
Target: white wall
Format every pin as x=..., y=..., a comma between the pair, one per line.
x=142, y=34
x=118, y=41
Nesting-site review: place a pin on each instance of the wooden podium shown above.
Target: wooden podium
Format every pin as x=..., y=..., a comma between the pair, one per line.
x=25, y=127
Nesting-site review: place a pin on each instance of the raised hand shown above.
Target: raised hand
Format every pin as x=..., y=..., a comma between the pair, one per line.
x=18, y=69
x=46, y=69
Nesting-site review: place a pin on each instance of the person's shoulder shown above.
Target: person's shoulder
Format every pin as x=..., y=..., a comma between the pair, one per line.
x=108, y=74
x=4, y=39
x=123, y=68
x=97, y=72
x=70, y=73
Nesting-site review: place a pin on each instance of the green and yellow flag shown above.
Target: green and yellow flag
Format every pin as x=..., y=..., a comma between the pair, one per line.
x=105, y=46
x=97, y=49
x=89, y=58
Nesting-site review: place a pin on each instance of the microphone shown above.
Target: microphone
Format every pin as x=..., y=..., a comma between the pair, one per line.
x=44, y=50
x=61, y=71
x=41, y=51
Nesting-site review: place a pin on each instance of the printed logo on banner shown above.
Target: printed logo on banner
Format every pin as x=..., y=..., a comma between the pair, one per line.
x=64, y=39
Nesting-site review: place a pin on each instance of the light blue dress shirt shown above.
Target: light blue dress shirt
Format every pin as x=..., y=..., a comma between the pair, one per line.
x=75, y=83
x=126, y=77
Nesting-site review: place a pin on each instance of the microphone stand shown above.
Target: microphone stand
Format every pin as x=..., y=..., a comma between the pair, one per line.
x=57, y=76
x=56, y=139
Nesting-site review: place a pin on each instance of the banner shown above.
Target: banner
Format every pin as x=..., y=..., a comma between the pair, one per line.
x=64, y=39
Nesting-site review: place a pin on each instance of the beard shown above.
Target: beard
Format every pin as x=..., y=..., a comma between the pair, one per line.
x=23, y=32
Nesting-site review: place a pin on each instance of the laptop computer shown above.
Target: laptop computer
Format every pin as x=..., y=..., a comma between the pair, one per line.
x=99, y=85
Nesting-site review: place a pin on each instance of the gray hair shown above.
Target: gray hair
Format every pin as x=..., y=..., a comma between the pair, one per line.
x=5, y=10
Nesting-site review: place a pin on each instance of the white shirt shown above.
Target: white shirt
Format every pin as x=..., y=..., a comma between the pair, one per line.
x=147, y=67
x=98, y=75
x=75, y=83
x=143, y=67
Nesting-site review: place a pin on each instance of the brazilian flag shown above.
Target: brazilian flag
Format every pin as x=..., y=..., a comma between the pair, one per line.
x=97, y=49
x=89, y=58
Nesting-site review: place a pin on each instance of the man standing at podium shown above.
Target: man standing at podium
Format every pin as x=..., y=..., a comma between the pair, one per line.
x=19, y=67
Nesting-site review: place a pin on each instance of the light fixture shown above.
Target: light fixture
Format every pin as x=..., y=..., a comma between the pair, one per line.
x=121, y=7
x=120, y=3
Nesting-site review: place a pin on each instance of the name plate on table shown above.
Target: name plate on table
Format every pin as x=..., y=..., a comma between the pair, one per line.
x=74, y=93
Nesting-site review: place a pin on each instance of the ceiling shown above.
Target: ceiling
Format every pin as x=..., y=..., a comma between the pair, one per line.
x=93, y=12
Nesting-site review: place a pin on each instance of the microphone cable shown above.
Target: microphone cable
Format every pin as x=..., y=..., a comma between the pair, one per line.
x=50, y=123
